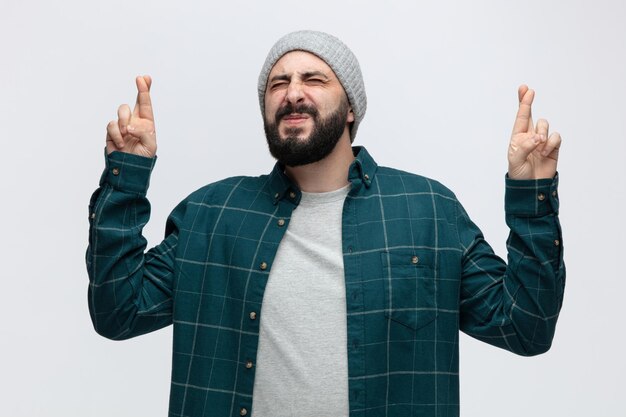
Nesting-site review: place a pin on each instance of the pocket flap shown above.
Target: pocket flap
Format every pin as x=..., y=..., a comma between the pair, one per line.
x=410, y=288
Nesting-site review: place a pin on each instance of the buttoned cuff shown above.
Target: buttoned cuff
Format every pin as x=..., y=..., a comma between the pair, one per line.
x=532, y=198
x=127, y=172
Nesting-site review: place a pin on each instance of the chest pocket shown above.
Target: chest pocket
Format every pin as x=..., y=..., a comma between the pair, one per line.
x=410, y=289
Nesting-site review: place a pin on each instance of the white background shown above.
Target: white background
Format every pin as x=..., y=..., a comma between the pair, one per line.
x=441, y=80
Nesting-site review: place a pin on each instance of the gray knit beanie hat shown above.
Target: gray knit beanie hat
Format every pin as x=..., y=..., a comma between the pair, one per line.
x=332, y=51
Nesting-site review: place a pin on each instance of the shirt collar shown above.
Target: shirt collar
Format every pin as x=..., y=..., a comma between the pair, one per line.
x=363, y=169
x=361, y=172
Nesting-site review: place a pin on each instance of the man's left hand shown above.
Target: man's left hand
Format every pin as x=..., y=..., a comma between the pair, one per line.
x=532, y=153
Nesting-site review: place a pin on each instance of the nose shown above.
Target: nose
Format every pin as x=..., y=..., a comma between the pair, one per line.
x=295, y=94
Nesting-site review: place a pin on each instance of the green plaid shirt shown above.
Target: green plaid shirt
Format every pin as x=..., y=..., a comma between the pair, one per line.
x=417, y=270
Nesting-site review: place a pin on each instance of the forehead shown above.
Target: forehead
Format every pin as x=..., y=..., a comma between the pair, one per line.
x=300, y=62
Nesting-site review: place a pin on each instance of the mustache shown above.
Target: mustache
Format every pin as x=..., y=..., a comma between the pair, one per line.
x=300, y=108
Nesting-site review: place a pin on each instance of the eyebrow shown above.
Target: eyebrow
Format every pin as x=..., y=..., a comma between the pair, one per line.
x=282, y=77
x=308, y=74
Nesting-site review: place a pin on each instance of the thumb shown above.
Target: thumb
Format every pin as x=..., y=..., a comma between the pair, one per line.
x=521, y=147
x=141, y=129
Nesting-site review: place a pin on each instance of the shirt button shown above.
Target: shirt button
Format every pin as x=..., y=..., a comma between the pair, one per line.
x=367, y=177
x=556, y=242
x=243, y=411
x=541, y=196
x=415, y=260
x=93, y=215
x=252, y=315
x=263, y=266
x=554, y=194
x=115, y=171
x=249, y=365
x=281, y=222
x=276, y=195
x=292, y=194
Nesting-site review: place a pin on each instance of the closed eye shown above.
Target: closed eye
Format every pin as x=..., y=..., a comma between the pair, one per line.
x=315, y=81
x=278, y=84
x=315, y=77
x=279, y=81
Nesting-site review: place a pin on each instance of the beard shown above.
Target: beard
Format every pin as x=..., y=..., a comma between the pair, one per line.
x=294, y=151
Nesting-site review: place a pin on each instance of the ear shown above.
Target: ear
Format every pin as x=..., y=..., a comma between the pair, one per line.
x=350, y=116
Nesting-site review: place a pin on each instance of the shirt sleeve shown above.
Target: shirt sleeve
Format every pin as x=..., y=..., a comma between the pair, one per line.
x=515, y=305
x=130, y=292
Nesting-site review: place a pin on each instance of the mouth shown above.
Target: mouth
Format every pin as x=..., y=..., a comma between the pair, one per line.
x=295, y=118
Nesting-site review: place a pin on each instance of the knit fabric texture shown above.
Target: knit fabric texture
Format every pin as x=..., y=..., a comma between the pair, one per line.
x=332, y=51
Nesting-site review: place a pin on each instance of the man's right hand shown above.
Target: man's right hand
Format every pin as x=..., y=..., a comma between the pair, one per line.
x=134, y=132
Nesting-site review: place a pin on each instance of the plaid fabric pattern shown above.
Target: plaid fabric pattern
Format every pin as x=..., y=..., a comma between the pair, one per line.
x=417, y=271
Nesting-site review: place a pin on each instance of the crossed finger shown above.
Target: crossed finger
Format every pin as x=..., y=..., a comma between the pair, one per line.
x=143, y=105
x=523, y=119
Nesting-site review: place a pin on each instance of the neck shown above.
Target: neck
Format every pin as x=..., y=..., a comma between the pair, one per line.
x=329, y=174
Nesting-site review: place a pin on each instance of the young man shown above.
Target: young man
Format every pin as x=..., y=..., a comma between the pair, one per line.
x=331, y=286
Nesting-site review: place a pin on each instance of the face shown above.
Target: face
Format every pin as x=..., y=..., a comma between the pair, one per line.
x=306, y=109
